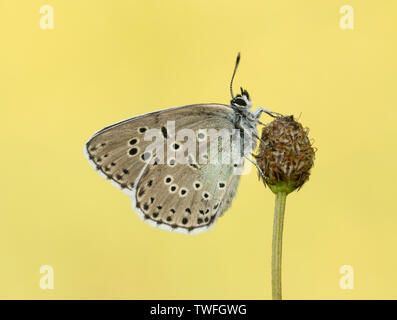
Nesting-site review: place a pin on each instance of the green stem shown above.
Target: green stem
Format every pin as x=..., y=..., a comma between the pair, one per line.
x=277, y=244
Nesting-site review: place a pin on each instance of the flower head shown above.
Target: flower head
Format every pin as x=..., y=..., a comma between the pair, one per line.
x=285, y=155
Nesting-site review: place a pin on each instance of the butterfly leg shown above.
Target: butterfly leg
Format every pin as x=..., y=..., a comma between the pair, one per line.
x=259, y=138
x=241, y=127
x=245, y=156
x=259, y=110
x=257, y=166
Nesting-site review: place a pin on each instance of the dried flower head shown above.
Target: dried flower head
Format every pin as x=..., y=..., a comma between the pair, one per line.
x=285, y=155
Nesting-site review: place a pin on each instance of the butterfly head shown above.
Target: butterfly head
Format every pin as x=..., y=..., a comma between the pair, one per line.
x=242, y=100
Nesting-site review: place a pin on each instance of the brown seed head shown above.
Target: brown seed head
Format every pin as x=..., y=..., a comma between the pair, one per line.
x=285, y=155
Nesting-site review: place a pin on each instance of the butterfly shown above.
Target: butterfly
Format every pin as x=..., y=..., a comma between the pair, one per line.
x=167, y=192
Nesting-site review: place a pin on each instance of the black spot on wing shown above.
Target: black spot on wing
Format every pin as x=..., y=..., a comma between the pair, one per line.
x=164, y=132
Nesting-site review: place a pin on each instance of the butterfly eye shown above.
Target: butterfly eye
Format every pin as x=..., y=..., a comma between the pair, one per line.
x=240, y=102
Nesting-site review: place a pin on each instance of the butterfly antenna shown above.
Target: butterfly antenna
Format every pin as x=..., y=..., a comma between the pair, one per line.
x=234, y=73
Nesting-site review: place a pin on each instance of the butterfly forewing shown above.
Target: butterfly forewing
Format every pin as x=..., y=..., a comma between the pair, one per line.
x=117, y=150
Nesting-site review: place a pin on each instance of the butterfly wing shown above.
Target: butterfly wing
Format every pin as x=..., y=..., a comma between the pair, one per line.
x=194, y=194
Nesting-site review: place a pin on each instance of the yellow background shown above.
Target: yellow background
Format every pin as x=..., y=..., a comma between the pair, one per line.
x=110, y=60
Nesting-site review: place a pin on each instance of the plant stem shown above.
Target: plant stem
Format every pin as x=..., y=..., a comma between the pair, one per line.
x=277, y=244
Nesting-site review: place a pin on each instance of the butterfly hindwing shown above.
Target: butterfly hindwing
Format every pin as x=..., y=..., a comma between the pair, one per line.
x=188, y=197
